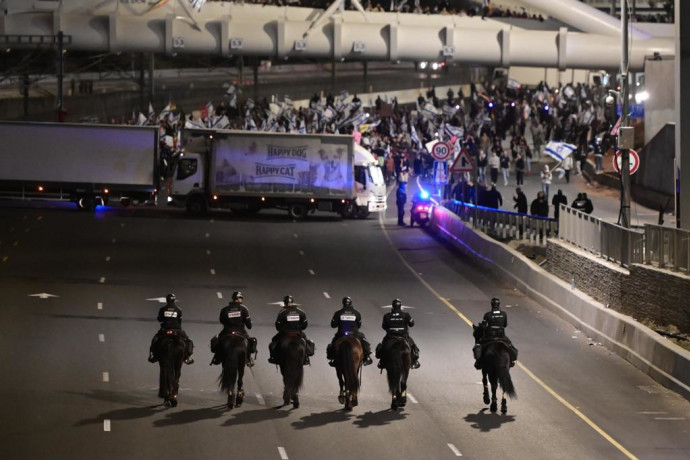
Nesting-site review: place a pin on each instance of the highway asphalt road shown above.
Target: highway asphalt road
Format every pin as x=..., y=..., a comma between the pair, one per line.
x=75, y=382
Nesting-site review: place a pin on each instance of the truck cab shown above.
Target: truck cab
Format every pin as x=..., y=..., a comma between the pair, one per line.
x=369, y=184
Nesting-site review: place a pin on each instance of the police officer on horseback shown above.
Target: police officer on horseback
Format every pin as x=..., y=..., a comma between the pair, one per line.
x=494, y=323
x=290, y=319
x=170, y=317
x=348, y=321
x=396, y=323
x=235, y=320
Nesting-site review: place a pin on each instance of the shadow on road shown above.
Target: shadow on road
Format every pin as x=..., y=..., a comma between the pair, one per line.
x=128, y=398
x=190, y=416
x=487, y=421
x=324, y=418
x=128, y=413
x=380, y=418
x=254, y=416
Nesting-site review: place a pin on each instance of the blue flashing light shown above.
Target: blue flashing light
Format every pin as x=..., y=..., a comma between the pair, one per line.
x=424, y=195
x=491, y=105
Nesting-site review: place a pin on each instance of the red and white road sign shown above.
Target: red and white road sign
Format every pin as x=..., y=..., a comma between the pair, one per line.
x=634, y=161
x=463, y=163
x=441, y=151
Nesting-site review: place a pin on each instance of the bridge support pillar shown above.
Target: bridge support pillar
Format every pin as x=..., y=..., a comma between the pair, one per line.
x=682, y=10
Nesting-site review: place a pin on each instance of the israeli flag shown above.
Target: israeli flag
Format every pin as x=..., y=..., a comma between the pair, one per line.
x=559, y=150
x=454, y=131
x=415, y=137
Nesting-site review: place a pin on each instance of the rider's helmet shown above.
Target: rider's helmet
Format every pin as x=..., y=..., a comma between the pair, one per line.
x=347, y=302
x=495, y=303
x=170, y=299
x=397, y=304
x=288, y=300
x=237, y=295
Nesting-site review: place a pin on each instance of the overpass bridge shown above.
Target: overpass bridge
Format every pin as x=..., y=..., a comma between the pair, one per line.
x=591, y=40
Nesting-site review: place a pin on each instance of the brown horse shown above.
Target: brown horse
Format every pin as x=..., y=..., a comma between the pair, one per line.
x=348, y=366
x=397, y=357
x=234, y=352
x=292, y=349
x=170, y=351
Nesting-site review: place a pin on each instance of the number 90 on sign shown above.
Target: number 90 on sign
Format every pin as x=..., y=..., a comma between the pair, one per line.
x=441, y=151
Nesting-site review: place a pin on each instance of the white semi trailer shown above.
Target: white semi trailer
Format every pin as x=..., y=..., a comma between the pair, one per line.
x=86, y=164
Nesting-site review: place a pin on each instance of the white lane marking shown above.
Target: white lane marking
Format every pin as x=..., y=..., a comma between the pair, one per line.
x=412, y=398
x=106, y=425
x=101, y=337
x=219, y=294
x=43, y=295
x=208, y=253
x=669, y=418
x=99, y=305
x=651, y=413
x=102, y=279
x=114, y=240
x=106, y=377
x=325, y=294
x=212, y=220
x=301, y=252
x=107, y=259
x=311, y=272
x=261, y=399
x=208, y=235
x=283, y=454
x=455, y=450
x=213, y=272
x=122, y=224
x=295, y=235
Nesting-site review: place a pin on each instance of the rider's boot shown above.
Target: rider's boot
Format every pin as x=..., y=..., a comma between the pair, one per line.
x=380, y=365
x=250, y=361
x=189, y=360
x=366, y=348
x=512, y=364
x=152, y=357
x=329, y=355
x=307, y=362
x=367, y=359
x=415, y=364
x=477, y=364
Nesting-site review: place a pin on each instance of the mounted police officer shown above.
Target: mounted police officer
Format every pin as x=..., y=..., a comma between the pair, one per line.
x=170, y=317
x=290, y=319
x=348, y=321
x=235, y=320
x=494, y=323
x=396, y=323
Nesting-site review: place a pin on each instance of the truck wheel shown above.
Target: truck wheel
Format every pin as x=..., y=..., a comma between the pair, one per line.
x=348, y=211
x=125, y=202
x=362, y=212
x=196, y=205
x=297, y=211
x=86, y=203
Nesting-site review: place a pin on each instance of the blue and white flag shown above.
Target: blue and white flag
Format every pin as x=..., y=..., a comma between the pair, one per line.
x=415, y=137
x=141, y=121
x=454, y=131
x=152, y=113
x=221, y=123
x=249, y=124
x=164, y=113
x=302, y=127
x=194, y=124
x=449, y=110
x=559, y=150
x=197, y=4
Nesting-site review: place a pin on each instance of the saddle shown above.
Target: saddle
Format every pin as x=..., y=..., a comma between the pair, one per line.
x=512, y=351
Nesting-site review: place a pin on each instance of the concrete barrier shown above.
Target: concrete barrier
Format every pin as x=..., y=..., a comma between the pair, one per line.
x=664, y=361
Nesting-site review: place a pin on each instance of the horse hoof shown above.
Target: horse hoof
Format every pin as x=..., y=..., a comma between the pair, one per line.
x=239, y=402
x=403, y=402
x=504, y=407
x=341, y=399
x=167, y=403
x=295, y=404
x=493, y=407
x=486, y=400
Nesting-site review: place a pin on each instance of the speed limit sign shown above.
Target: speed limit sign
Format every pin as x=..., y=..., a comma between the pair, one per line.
x=634, y=161
x=441, y=151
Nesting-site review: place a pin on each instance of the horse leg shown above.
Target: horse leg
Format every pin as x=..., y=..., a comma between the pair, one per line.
x=286, y=397
x=504, y=405
x=486, y=388
x=239, y=399
x=494, y=404
x=341, y=383
x=295, y=401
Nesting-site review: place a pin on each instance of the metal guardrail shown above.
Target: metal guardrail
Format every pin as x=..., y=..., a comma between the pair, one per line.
x=610, y=241
x=505, y=224
x=667, y=247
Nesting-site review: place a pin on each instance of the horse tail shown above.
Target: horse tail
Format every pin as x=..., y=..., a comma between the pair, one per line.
x=293, y=366
x=234, y=360
x=347, y=362
x=503, y=374
x=394, y=368
x=167, y=365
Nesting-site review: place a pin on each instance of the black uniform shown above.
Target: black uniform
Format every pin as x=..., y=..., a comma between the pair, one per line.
x=170, y=317
x=396, y=324
x=290, y=319
x=400, y=200
x=348, y=321
x=235, y=320
x=495, y=322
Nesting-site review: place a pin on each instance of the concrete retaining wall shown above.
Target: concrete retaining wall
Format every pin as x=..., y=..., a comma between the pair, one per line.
x=662, y=360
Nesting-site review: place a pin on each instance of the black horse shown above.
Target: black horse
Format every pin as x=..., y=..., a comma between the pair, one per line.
x=397, y=358
x=170, y=351
x=292, y=349
x=495, y=361
x=348, y=367
x=234, y=352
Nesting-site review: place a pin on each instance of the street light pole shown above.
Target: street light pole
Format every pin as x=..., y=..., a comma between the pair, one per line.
x=622, y=138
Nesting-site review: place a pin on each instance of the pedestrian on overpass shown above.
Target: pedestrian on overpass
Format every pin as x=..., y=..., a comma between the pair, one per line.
x=556, y=201
x=546, y=181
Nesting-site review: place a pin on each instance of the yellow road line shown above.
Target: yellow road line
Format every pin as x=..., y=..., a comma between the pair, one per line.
x=539, y=381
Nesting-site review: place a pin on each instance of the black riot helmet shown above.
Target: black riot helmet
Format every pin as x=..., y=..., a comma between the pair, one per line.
x=347, y=302
x=397, y=305
x=288, y=300
x=170, y=299
x=495, y=303
x=237, y=295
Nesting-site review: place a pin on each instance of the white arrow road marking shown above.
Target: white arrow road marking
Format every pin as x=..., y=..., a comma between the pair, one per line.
x=311, y=272
x=158, y=299
x=99, y=305
x=325, y=294
x=282, y=303
x=412, y=398
x=261, y=399
x=213, y=272
x=101, y=337
x=106, y=425
x=106, y=377
x=403, y=307
x=455, y=450
x=219, y=294
x=102, y=279
x=43, y=295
